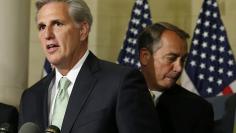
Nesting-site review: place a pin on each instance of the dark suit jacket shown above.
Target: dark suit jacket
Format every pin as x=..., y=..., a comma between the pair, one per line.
x=181, y=111
x=106, y=98
x=9, y=114
x=225, y=124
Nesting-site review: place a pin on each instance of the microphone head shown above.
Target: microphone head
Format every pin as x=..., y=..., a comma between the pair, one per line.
x=5, y=128
x=29, y=127
x=52, y=129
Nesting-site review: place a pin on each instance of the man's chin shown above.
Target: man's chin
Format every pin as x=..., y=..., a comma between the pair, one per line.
x=166, y=86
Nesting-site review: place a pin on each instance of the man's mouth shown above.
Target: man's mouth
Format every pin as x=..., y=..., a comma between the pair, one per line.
x=49, y=46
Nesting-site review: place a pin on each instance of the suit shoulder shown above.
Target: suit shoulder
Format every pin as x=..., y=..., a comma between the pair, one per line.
x=115, y=68
x=183, y=96
x=4, y=106
x=37, y=87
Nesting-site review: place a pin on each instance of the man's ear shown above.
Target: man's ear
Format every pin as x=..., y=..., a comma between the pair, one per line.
x=84, y=30
x=144, y=56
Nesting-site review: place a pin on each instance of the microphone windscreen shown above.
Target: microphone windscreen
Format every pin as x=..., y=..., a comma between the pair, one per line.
x=5, y=128
x=29, y=127
x=52, y=129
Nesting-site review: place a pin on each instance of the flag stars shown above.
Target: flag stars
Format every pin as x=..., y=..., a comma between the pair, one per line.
x=126, y=59
x=202, y=66
x=144, y=25
x=215, y=4
x=221, y=70
x=209, y=2
x=197, y=31
x=138, y=64
x=207, y=23
x=231, y=62
x=222, y=49
x=203, y=55
x=201, y=76
x=128, y=49
x=215, y=15
x=222, y=38
x=195, y=42
x=133, y=52
x=193, y=63
x=213, y=57
x=221, y=60
x=194, y=52
x=211, y=69
x=134, y=41
x=205, y=34
x=222, y=28
x=210, y=79
x=213, y=47
x=204, y=44
x=230, y=52
x=213, y=36
x=219, y=82
x=209, y=90
x=135, y=21
x=199, y=21
x=230, y=73
x=145, y=15
x=201, y=10
x=214, y=26
x=137, y=11
x=130, y=40
x=132, y=61
x=146, y=6
x=207, y=13
x=139, y=2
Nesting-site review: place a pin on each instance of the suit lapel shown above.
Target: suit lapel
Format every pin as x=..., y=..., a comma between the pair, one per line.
x=46, y=87
x=83, y=86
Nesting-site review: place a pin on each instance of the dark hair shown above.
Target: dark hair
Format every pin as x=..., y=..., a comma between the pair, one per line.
x=152, y=35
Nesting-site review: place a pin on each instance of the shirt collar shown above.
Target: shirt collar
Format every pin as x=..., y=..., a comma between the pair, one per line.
x=72, y=74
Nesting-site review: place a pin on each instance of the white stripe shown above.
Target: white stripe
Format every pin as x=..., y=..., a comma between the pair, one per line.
x=233, y=86
x=187, y=83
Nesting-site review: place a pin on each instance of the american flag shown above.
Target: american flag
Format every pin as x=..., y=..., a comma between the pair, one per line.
x=210, y=65
x=140, y=18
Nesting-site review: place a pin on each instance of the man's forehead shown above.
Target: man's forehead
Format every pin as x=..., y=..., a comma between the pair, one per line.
x=52, y=12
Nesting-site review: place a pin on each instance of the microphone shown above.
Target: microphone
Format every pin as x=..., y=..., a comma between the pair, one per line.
x=52, y=129
x=29, y=127
x=5, y=128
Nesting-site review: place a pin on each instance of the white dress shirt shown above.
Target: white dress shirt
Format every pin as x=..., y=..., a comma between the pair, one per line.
x=71, y=75
x=155, y=96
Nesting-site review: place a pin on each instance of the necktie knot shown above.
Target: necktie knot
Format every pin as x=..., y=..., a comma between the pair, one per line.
x=64, y=83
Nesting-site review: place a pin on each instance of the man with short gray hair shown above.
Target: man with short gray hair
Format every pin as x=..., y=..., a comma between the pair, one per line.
x=83, y=94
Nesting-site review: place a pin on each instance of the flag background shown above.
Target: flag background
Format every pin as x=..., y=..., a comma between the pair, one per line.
x=210, y=68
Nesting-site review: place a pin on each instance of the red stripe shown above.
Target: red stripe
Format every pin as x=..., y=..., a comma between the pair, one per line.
x=227, y=90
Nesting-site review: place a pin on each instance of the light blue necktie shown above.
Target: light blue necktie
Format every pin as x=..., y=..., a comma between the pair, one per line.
x=61, y=102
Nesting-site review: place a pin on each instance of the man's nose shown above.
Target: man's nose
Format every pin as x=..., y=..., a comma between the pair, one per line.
x=49, y=33
x=178, y=66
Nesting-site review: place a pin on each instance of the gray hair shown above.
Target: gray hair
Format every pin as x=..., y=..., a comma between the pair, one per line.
x=152, y=35
x=78, y=9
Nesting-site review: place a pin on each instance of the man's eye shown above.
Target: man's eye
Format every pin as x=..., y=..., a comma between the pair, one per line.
x=41, y=27
x=58, y=24
x=171, y=58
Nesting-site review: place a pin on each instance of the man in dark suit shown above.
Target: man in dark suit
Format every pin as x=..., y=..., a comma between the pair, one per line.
x=83, y=94
x=163, y=49
x=9, y=116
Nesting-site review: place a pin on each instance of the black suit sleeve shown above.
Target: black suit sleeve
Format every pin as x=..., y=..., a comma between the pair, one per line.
x=205, y=121
x=9, y=114
x=135, y=112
